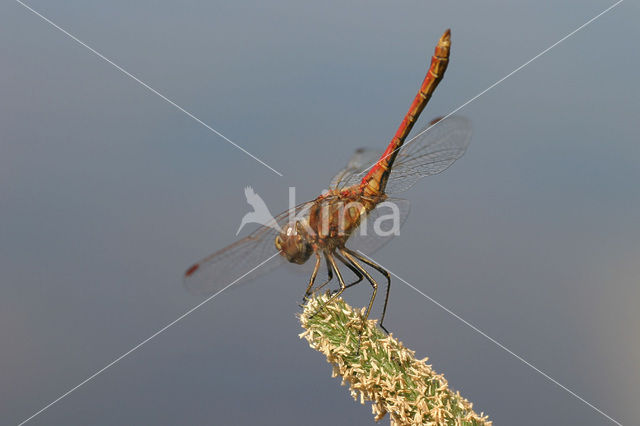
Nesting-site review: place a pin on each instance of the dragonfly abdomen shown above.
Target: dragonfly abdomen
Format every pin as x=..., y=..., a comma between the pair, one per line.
x=376, y=180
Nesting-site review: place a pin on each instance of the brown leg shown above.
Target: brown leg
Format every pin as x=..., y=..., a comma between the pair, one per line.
x=329, y=278
x=383, y=272
x=352, y=268
x=374, y=284
x=314, y=274
x=337, y=294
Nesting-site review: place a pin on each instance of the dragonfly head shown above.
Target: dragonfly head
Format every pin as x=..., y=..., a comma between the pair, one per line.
x=293, y=243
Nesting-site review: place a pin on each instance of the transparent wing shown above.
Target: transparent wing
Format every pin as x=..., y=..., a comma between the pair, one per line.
x=382, y=224
x=240, y=259
x=428, y=154
x=352, y=173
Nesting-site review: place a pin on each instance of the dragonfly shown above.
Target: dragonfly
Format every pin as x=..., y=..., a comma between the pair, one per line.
x=323, y=228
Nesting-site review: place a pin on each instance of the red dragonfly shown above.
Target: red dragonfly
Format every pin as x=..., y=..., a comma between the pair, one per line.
x=321, y=228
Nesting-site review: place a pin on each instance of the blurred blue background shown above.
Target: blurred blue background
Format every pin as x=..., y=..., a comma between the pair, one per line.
x=107, y=193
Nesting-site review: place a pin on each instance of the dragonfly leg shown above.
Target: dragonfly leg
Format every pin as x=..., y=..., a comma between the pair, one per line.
x=314, y=274
x=352, y=268
x=335, y=295
x=355, y=267
x=329, y=278
x=383, y=272
x=363, y=271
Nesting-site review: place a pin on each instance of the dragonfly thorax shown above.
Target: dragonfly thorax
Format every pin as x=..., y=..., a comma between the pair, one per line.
x=293, y=243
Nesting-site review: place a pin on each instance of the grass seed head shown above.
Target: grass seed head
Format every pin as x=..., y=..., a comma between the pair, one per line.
x=378, y=368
